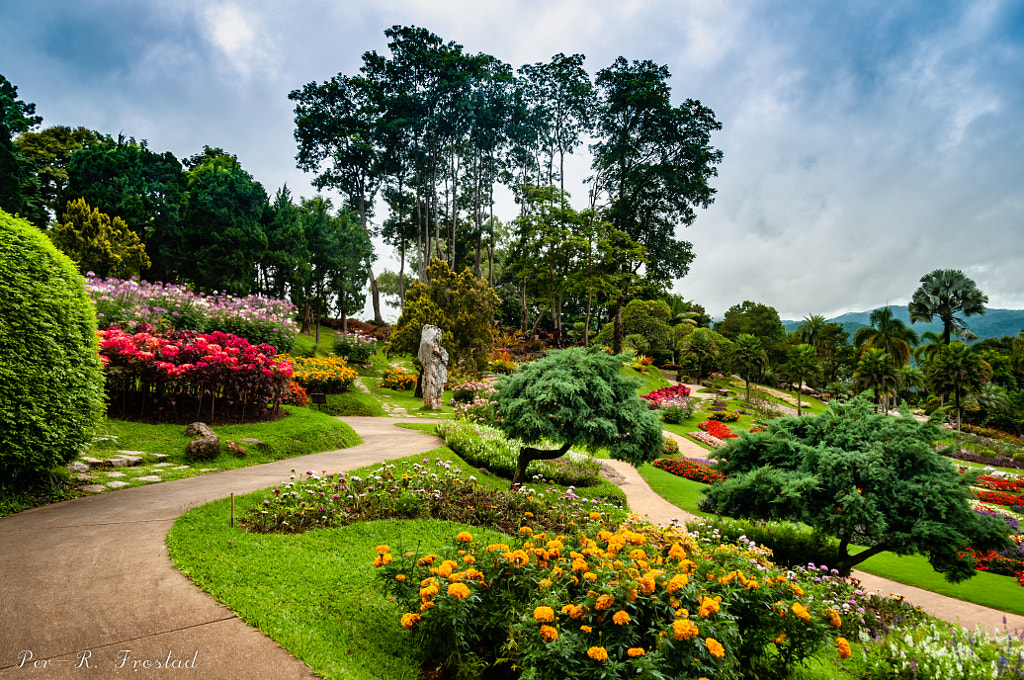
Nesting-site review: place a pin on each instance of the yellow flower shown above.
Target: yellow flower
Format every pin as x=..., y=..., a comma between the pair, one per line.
x=801, y=611
x=528, y=514
x=382, y=549
x=426, y=605
x=676, y=582
x=715, y=647
x=590, y=576
x=446, y=568
x=844, y=648
x=400, y=577
x=469, y=559
x=780, y=638
x=833, y=618
x=595, y=515
x=544, y=614
x=544, y=583
x=460, y=591
x=634, y=652
x=598, y=653
x=410, y=620
x=620, y=618
x=526, y=531
x=682, y=629
x=548, y=633
x=464, y=537
x=604, y=601
x=708, y=606
x=586, y=629
x=426, y=560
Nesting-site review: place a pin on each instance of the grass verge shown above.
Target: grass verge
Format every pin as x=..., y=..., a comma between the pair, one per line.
x=679, y=491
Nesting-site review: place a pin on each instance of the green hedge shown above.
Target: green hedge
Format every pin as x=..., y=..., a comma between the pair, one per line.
x=51, y=384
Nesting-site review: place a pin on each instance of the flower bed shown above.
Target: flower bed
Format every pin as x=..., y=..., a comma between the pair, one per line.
x=126, y=303
x=706, y=439
x=999, y=498
x=724, y=416
x=657, y=396
x=717, y=429
x=997, y=484
x=355, y=346
x=180, y=376
x=330, y=375
x=398, y=379
x=690, y=468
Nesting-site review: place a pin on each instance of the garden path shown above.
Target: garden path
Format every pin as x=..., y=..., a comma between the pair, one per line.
x=87, y=588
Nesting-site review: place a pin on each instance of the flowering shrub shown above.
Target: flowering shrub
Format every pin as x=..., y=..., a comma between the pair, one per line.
x=127, y=303
x=355, y=346
x=657, y=396
x=182, y=375
x=480, y=410
x=484, y=446
x=503, y=366
x=294, y=395
x=992, y=433
x=717, y=430
x=330, y=375
x=613, y=602
x=675, y=410
x=998, y=497
x=724, y=416
x=467, y=390
x=997, y=484
x=398, y=379
x=670, y=447
x=690, y=468
x=431, y=488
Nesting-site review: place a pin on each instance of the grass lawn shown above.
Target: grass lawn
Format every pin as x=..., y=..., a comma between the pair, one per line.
x=305, y=344
x=679, y=491
x=650, y=378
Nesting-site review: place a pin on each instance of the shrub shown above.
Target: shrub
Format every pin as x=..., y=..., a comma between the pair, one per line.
x=724, y=416
x=51, y=383
x=330, y=375
x=179, y=376
x=657, y=396
x=791, y=543
x=717, y=430
x=677, y=409
x=503, y=366
x=670, y=447
x=294, y=395
x=398, y=379
x=355, y=347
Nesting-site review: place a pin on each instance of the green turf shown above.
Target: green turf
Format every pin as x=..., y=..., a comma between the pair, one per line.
x=304, y=344
x=679, y=491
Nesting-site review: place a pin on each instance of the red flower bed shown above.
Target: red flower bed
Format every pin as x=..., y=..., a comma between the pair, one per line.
x=717, y=429
x=180, y=376
x=690, y=469
x=995, y=563
x=998, y=497
x=997, y=484
x=657, y=396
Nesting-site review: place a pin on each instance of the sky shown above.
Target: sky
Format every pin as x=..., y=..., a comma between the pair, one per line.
x=865, y=143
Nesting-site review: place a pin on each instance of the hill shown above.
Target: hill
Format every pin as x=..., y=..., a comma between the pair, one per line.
x=995, y=323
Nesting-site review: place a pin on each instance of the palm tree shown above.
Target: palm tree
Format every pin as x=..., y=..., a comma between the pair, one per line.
x=930, y=343
x=749, y=356
x=888, y=334
x=876, y=371
x=910, y=378
x=945, y=293
x=703, y=347
x=801, y=363
x=811, y=328
x=958, y=371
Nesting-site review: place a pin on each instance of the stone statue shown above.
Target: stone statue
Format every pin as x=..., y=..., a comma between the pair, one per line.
x=434, y=359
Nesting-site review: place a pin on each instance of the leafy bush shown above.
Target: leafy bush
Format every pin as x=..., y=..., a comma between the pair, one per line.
x=724, y=416
x=355, y=346
x=294, y=395
x=503, y=366
x=792, y=544
x=657, y=396
x=675, y=410
x=51, y=384
x=398, y=379
x=178, y=376
x=486, y=447
x=670, y=447
x=127, y=303
x=464, y=391
x=483, y=410
x=330, y=375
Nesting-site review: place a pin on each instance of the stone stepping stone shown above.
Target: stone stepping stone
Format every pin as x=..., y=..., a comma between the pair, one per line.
x=117, y=462
x=181, y=467
x=133, y=457
x=116, y=485
x=93, y=462
x=78, y=467
x=149, y=478
x=159, y=456
x=115, y=473
x=94, y=488
x=162, y=465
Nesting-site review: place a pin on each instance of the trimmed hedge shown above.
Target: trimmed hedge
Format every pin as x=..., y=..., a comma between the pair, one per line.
x=51, y=383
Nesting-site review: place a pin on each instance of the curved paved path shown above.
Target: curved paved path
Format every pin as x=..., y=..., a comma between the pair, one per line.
x=87, y=589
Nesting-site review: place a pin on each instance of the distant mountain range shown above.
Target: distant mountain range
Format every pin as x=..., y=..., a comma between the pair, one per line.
x=995, y=323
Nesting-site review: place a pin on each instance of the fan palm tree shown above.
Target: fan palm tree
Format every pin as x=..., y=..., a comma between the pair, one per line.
x=910, y=378
x=928, y=346
x=811, y=328
x=945, y=293
x=888, y=334
x=749, y=356
x=801, y=363
x=876, y=371
x=958, y=371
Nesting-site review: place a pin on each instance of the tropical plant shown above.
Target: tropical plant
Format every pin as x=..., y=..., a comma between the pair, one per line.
x=910, y=379
x=748, y=356
x=886, y=333
x=801, y=364
x=702, y=347
x=875, y=371
x=959, y=372
x=949, y=295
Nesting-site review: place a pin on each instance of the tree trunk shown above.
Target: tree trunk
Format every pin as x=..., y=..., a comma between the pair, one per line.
x=847, y=562
x=618, y=335
x=529, y=454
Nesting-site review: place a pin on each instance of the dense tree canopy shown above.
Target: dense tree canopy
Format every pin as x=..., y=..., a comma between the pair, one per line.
x=98, y=244
x=949, y=295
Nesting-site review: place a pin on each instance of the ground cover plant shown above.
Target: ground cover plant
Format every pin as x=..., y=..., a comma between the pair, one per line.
x=182, y=376
x=127, y=302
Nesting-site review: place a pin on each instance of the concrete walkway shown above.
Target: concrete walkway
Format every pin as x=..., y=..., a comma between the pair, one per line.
x=87, y=589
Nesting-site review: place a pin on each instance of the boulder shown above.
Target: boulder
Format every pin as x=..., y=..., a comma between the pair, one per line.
x=235, y=448
x=249, y=441
x=198, y=429
x=434, y=359
x=206, y=447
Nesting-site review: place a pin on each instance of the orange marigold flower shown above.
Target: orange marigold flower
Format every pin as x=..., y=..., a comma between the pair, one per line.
x=708, y=606
x=544, y=614
x=634, y=652
x=410, y=620
x=544, y=583
x=604, y=601
x=780, y=638
x=834, y=619
x=382, y=549
x=460, y=591
x=715, y=647
x=400, y=577
x=528, y=514
x=647, y=584
x=446, y=568
x=548, y=633
x=526, y=531
x=518, y=558
x=595, y=515
x=682, y=629
x=586, y=629
x=464, y=537
x=620, y=618
x=590, y=576
x=426, y=560
x=469, y=559
x=677, y=552
x=801, y=611
x=426, y=605
x=844, y=648
x=598, y=653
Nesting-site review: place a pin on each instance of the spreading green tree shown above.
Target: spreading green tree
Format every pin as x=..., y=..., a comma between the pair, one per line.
x=957, y=371
x=749, y=357
x=17, y=194
x=285, y=262
x=704, y=348
x=46, y=155
x=51, y=382
x=760, y=320
x=866, y=479
x=876, y=371
x=461, y=305
x=949, y=295
x=888, y=334
x=801, y=366
x=577, y=397
x=96, y=243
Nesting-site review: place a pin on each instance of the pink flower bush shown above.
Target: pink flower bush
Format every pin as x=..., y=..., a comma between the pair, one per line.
x=657, y=396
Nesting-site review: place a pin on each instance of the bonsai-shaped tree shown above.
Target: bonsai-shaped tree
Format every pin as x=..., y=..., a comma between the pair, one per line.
x=865, y=478
x=577, y=397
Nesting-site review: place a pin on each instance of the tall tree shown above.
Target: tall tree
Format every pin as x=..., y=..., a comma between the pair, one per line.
x=949, y=295
x=285, y=262
x=749, y=357
x=96, y=243
x=888, y=334
x=958, y=371
x=703, y=347
x=654, y=163
x=876, y=371
x=811, y=329
x=46, y=155
x=801, y=365
x=16, y=117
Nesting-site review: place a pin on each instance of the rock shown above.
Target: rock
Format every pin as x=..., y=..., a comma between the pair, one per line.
x=92, y=462
x=159, y=456
x=162, y=465
x=78, y=467
x=132, y=460
x=182, y=467
x=250, y=441
x=117, y=462
x=94, y=488
x=132, y=453
x=116, y=485
x=199, y=429
x=206, y=447
x=115, y=473
x=149, y=478
x=235, y=448
x=434, y=359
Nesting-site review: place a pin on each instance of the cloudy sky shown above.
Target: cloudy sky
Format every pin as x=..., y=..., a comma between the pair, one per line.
x=865, y=143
